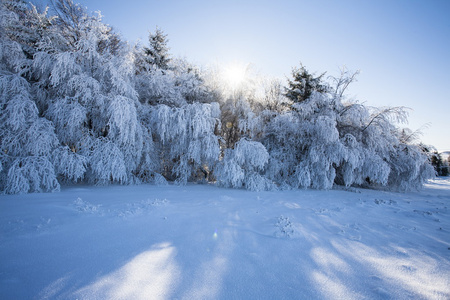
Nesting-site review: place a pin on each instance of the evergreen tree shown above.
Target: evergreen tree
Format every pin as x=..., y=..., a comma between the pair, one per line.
x=304, y=84
x=439, y=165
x=157, y=53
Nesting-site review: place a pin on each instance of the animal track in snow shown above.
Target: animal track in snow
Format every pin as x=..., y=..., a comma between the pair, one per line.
x=387, y=202
x=285, y=228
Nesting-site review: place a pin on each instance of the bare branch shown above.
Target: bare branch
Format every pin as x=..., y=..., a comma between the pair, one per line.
x=343, y=81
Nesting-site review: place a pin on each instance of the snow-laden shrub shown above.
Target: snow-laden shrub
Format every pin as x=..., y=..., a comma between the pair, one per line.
x=243, y=166
x=360, y=165
x=26, y=140
x=69, y=164
x=255, y=181
x=304, y=144
x=229, y=173
x=159, y=179
x=187, y=139
x=373, y=154
x=410, y=168
x=251, y=155
x=31, y=174
x=107, y=163
x=68, y=116
x=91, y=99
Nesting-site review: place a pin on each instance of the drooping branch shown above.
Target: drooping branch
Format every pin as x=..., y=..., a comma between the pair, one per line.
x=397, y=114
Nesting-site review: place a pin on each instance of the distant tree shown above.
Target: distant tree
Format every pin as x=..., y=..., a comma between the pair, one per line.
x=447, y=165
x=157, y=53
x=439, y=165
x=304, y=84
x=436, y=162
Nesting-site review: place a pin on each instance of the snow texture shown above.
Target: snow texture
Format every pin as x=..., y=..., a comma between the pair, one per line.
x=206, y=242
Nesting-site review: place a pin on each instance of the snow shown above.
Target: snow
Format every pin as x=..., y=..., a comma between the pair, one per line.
x=206, y=242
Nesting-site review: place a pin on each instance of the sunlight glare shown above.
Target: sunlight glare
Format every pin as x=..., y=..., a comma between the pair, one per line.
x=235, y=74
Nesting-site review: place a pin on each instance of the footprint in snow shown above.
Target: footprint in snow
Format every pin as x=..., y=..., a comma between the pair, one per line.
x=401, y=227
x=385, y=202
x=427, y=214
x=327, y=212
x=287, y=229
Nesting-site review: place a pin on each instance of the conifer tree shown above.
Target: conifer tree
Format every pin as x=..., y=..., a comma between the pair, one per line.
x=304, y=84
x=158, y=52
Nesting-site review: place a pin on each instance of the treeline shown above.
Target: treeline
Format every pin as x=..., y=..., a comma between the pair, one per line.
x=79, y=104
x=441, y=165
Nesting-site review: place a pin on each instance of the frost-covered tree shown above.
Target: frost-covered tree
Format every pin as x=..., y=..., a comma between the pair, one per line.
x=377, y=152
x=243, y=166
x=323, y=141
x=23, y=23
x=26, y=138
x=303, y=84
x=78, y=104
x=304, y=144
x=190, y=81
x=157, y=53
x=187, y=139
x=438, y=164
x=379, y=157
x=89, y=95
x=178, y=84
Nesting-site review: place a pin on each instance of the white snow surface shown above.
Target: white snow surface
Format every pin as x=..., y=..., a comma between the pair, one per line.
x=206, y=242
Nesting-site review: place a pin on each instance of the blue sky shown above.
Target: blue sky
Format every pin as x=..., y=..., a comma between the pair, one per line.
x=401, y=47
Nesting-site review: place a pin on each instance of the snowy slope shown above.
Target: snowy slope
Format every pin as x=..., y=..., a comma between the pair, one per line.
x=204, y=242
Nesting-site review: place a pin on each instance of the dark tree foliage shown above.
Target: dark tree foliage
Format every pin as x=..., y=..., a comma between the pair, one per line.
x=439, y=165
x=304, y=84
x=158, y=52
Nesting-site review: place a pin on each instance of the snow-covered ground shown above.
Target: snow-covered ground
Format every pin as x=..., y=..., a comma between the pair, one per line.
x=205, y=242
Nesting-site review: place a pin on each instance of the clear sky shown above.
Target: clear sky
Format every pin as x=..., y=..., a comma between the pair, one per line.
x=401, y=47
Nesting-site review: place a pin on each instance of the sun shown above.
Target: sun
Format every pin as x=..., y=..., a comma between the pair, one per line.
x=235, y=74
